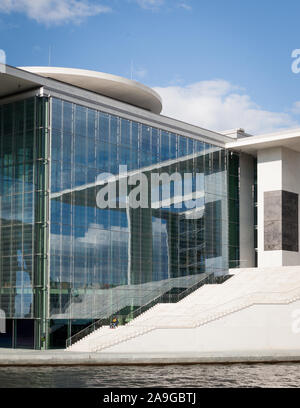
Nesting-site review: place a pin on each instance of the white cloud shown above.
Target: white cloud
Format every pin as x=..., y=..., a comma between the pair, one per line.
x=140, y=73
x=156, y=4
x=185, y=6
x=53, y=11
x=218, y=105
x=5, y=25
x=36, y=49
x=150, y=4
x=296, y=108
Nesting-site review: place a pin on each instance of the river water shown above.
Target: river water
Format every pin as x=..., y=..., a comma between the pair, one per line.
x=183, y=376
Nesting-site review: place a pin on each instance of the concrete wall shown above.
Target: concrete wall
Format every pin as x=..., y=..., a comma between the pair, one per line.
x=277, y=169
x=291, y=182
x=247, y=253
x=257, y=328
x=269, y=178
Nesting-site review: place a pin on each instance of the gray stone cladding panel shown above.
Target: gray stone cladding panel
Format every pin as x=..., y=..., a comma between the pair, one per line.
x=273, y=205
x=290, y=237
x=272, y=235
x=281, y=224
x=290, y=207
x=290, y=222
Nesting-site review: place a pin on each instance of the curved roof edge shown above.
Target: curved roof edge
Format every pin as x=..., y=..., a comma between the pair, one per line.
x=112, y=86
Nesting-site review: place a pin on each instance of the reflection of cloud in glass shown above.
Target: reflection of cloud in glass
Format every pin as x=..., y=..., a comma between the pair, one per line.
x=2, y=321
x=101, y=255
x=2, y=61
x=23, y=298
x=160, y=249
x=100, y=237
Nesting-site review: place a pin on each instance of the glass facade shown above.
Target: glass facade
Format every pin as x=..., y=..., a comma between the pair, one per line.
x=23, y=230
x=113, y=260
x=254, y=193
x=65, y=261
x=234, y=209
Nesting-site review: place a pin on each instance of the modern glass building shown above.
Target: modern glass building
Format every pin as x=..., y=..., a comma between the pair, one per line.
x=65, y=261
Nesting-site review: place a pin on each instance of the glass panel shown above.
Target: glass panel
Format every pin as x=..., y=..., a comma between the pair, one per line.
x=23, y=170
x=113, y=261
x=25, y=333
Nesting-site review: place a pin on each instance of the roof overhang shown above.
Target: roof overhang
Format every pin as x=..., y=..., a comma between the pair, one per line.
x=13, y=81
x=112, y=86
x=251, y=145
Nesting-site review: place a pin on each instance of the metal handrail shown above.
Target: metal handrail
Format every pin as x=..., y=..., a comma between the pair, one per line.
x=208, y=318
x=239, y=303
x=172, y=298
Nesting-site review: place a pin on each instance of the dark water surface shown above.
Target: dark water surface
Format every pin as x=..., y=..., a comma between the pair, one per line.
x=232, y=375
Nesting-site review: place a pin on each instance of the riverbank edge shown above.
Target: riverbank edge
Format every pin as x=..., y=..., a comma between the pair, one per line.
x=9, y=357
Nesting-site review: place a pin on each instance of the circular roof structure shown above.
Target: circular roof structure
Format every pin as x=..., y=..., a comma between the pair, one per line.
x=112, y=86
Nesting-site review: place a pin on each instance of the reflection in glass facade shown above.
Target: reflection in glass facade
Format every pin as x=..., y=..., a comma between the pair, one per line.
x=111, y=261
x=64, y=261
x=23, y=207
x=234, y=209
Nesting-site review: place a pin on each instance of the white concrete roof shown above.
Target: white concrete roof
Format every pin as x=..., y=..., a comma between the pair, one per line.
x=288, y=138
x=112, y=86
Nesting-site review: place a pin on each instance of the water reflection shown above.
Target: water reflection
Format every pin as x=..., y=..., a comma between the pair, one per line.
x=200, y=376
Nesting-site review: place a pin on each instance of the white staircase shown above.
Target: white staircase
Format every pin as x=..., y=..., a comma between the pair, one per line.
x=269, y=286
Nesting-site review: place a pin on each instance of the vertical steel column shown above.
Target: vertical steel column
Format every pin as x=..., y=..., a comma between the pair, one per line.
x=41, y=221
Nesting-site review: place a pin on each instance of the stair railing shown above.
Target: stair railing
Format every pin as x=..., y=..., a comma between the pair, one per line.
x=171, y=298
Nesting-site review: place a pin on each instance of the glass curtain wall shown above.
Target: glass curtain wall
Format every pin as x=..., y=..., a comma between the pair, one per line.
x=23, y=220
x=102, y=261
x=234, y=210
x=113, y=260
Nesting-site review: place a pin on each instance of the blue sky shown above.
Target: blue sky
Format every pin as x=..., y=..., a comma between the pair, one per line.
x=219, y=64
